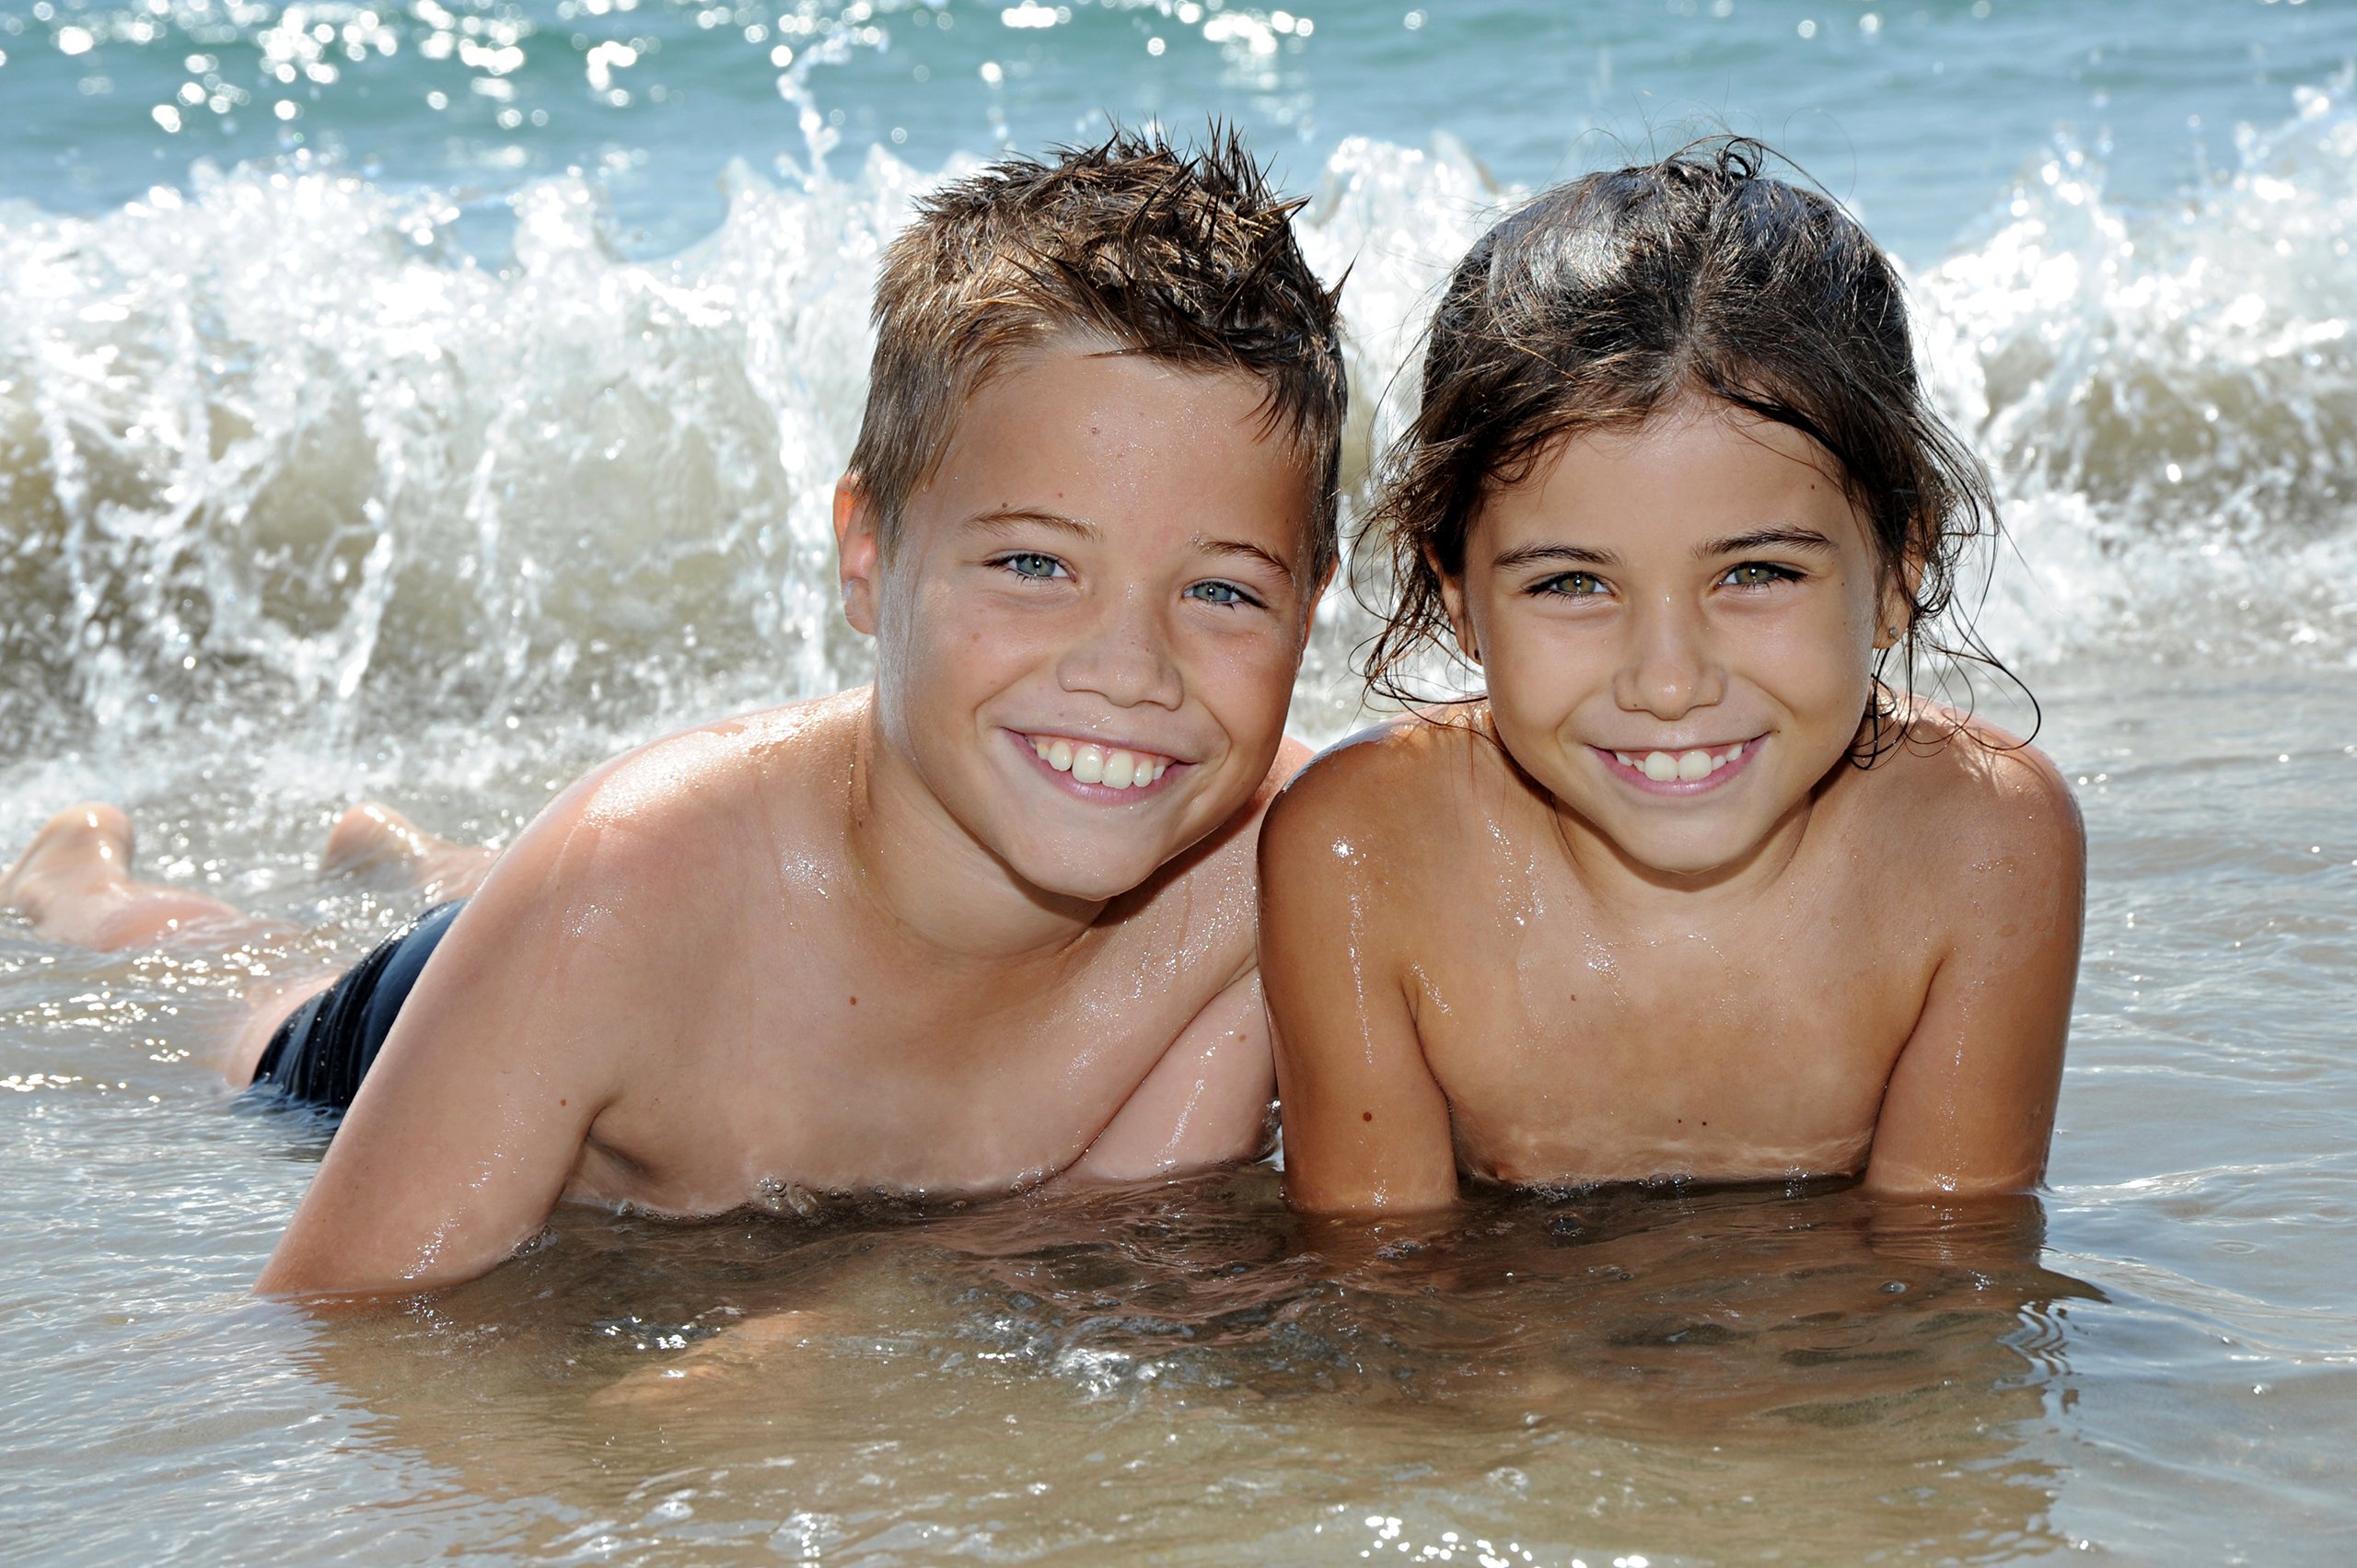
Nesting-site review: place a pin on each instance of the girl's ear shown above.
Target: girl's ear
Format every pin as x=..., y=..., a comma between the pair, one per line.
x=859, y=550
x=1452, y=600
x=1895, y=610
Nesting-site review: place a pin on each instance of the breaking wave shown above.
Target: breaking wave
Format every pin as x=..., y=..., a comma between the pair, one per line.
x=279, y=461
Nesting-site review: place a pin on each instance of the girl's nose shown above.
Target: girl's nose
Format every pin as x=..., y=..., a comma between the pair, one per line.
x=1668, y=668
x=1124, y=657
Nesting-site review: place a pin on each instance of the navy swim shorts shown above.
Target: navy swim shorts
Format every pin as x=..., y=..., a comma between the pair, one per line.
x=324, y=1049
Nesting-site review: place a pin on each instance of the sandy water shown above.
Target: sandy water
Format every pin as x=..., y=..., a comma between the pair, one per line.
x=2156, y=1362
x=435, y=457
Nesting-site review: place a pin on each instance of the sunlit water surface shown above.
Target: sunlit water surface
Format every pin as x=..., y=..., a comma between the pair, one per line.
x=434, y=451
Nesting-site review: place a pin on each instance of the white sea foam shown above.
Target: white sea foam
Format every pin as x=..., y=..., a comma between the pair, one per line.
x=274, y=454
x=2169, y=402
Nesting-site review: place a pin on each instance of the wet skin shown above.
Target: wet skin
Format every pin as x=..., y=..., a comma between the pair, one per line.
x=875, y=942
x=1495, y=947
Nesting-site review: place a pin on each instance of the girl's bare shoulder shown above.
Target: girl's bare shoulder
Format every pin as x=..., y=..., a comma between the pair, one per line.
x=1408, y=786
x=1953, y=781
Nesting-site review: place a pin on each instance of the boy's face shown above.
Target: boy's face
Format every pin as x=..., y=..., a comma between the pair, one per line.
x=1677, y=624
x=1088, y=628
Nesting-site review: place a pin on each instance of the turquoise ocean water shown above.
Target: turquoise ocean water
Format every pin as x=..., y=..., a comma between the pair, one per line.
x=425, y=401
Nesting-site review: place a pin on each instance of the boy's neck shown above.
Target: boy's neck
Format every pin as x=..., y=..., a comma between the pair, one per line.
x=936, y=888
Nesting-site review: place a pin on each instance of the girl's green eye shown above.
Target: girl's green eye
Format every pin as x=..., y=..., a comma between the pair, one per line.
x=1574, y=585
x=1218, y=593
x=1036, y=567
x=1757, y=574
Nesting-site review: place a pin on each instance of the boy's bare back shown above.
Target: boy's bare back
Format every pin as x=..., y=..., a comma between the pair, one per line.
x=1851, y=1014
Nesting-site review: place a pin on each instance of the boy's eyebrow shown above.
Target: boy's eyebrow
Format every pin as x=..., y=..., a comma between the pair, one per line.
x=1000, y=516
x=1246, y=548
x=1780, y=537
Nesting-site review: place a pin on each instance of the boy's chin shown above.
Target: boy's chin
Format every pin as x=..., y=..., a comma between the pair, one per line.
x=1089, y=870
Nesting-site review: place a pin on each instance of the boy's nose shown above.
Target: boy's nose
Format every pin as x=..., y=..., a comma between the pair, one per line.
x=1125, y=657
x=1669, y=668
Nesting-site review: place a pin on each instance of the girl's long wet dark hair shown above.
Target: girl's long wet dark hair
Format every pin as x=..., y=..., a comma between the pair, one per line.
x=1607, y=299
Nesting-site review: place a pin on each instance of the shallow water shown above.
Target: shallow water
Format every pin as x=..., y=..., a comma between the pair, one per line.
x=433, y=457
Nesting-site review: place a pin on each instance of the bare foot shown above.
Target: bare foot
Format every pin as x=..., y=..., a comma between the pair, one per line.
x=747, y=1357
x=373, y=840
x=73, y=883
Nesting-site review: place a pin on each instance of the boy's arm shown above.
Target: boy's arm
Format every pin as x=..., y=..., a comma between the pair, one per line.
x=473, y=1116
x=1205, y=1103
x=1969, y=1107
x=1366, y=1127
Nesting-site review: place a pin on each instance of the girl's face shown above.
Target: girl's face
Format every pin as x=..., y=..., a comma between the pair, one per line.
x=1676, y=624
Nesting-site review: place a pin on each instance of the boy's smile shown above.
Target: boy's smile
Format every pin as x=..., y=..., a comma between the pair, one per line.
x=1677, y=624
x=1089, y=626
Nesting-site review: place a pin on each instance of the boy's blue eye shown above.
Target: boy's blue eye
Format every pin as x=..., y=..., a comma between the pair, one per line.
x=1220, y=593
x=1759, y=575
x=1031, y=563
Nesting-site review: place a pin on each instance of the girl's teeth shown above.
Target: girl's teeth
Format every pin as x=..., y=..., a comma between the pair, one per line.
x=1682, y=767
x=1095, y=764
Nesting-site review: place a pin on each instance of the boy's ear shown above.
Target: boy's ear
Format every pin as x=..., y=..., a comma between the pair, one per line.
x=1452, y=599
x=1309, y=607
x=859, y=550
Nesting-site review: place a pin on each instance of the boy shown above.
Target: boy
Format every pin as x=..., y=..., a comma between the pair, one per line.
x=985, y=922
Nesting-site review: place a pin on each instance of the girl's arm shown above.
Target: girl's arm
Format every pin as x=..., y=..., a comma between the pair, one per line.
x=1969, y=1107
x=1366, y=1127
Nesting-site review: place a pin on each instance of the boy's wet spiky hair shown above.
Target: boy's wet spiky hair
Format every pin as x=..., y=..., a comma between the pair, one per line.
x=1186, y=257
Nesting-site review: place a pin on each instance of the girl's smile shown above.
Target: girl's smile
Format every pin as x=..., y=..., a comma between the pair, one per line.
x=1691, y=771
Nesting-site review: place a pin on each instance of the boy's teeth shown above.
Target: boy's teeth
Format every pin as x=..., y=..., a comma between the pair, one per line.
x=1090, y=764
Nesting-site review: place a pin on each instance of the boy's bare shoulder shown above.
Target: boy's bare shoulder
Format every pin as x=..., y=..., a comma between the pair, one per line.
x=672, y=821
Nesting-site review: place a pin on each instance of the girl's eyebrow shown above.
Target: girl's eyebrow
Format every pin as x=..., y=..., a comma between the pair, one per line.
x=1778, y=538
x=1552, y=554
x=1765, y=539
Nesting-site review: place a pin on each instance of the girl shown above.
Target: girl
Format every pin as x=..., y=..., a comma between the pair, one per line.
x=1691, y=892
